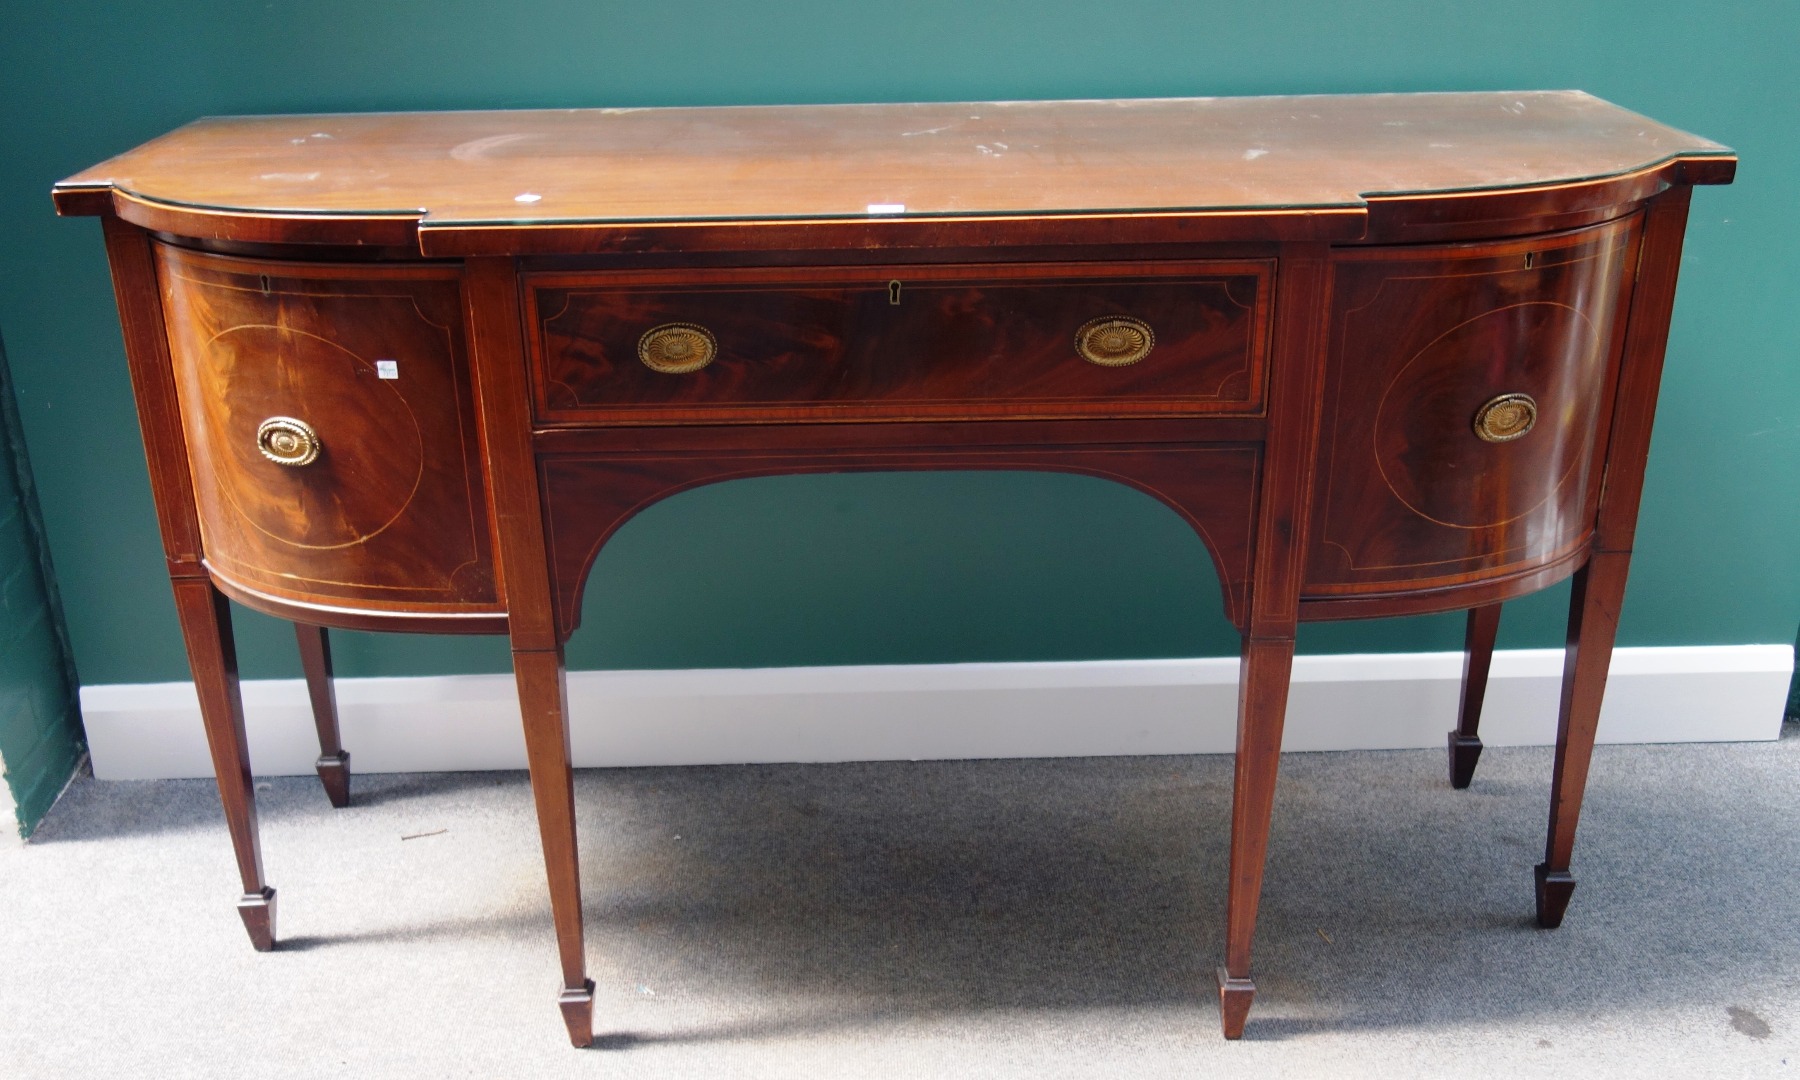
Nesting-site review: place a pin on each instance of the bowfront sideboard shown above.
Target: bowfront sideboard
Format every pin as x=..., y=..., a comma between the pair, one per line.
x=1386, y=355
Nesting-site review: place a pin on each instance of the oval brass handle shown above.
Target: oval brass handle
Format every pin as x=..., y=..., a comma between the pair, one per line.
x=1505, y=418
x=1114, y=341
x=287, y=441
x=677, y=348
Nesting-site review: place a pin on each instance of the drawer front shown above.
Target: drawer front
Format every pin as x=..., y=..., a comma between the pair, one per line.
x=900, y=343
x=356, y=379
x=1466, y=400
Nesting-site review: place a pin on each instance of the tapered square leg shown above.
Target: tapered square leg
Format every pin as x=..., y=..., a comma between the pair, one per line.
x=1599, y=589
x=1599, y=586
x=1262, y=707
x=492, y=289
x=334, y=761
x=206, y=628
x=1478, y=658
x=543, y=700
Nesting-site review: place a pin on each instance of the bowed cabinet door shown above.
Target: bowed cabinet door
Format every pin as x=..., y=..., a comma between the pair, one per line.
x=1466, y=399
x=331, y=431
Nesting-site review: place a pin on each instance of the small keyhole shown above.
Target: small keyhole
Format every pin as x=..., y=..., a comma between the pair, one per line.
x=1530, y=258
x=265, y=284
x=894, y=293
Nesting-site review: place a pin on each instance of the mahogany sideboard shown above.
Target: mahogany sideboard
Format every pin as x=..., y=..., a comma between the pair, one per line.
x=1385, y=354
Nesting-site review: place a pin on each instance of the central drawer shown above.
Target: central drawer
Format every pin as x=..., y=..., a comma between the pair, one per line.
x=883, y=343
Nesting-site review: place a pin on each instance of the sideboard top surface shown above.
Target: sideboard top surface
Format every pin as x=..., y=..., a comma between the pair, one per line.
x=469, y=169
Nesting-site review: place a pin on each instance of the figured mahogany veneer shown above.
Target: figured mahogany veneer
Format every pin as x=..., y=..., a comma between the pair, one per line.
x=1410, y=494
x=1386, y=355
x=390, y=514
x=903, y=342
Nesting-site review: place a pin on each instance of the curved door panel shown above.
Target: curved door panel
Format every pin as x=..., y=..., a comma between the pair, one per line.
x=1465, y=404
x=330, y=429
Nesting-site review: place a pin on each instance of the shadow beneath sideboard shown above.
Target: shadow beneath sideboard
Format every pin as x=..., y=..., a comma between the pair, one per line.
x=785, y=900
x=1391, y=900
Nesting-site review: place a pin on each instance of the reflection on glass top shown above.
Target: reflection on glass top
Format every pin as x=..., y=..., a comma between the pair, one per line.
x=847, y=161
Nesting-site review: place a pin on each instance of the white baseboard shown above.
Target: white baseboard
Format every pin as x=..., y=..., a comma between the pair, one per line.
x=11, y=830
x=735, y=716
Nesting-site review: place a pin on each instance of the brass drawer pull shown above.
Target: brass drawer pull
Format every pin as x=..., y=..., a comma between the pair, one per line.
x=1114, y=341
x=677, y=348
x=287, y=441
x=1505, y=418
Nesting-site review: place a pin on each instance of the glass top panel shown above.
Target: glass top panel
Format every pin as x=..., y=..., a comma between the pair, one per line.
x=846, y=161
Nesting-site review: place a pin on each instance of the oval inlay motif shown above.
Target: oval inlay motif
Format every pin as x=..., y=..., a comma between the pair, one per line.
x=1422, y=441
x=377, y=457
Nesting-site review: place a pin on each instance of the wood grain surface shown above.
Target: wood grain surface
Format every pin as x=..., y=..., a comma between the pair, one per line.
x=838, y=160
x=903, y=342
x=391, y=514
x=1422, y=338
x=1336, y=288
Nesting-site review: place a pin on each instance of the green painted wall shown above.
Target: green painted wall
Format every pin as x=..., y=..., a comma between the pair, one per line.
x=1793, y=701
x=908, y=568
x=40, y=728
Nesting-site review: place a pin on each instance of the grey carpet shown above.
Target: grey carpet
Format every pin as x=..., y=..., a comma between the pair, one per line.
x=942, y=919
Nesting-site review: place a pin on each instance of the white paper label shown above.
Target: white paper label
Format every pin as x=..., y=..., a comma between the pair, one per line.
x=887, y=208
x=387, y=369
